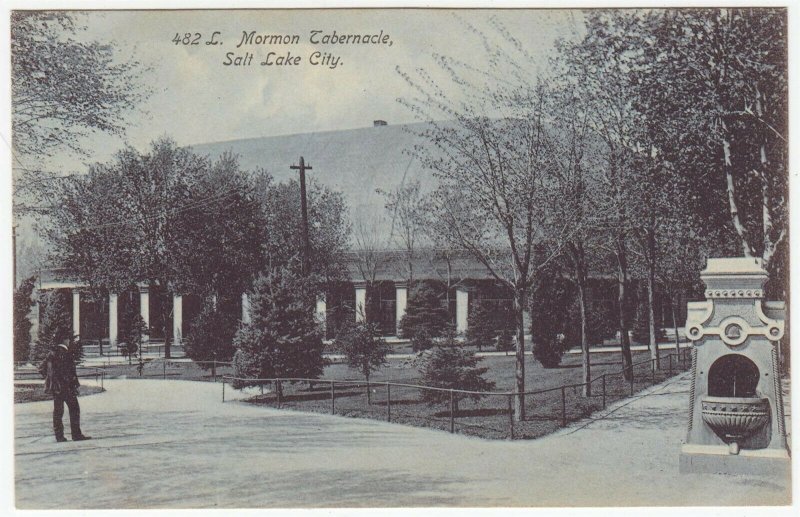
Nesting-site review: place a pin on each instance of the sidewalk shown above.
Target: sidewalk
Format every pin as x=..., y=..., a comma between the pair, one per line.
x=173, y=444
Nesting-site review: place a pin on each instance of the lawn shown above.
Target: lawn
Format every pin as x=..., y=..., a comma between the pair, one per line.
x=485, y=415
x=35, y=392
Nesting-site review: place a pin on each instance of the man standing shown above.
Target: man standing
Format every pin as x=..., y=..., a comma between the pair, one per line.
x=61, y=380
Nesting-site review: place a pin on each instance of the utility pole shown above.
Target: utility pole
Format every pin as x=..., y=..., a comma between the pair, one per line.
x=304, y=209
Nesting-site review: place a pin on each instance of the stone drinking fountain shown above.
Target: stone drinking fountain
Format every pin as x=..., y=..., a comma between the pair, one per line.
x=736, y=421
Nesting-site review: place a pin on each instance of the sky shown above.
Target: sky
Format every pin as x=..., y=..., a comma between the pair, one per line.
x=195, y=98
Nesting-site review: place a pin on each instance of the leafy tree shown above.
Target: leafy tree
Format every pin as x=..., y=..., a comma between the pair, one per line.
x=425, y=315
x=23, y=302
x=283, y=338
x=597, y=65
x=55, y=324
x=280, y=233
x=211, y=334
x=222, y=217
x=363, y=349
x=63, y=86
x=452, y=367
x=723, y=77
x=166, y=218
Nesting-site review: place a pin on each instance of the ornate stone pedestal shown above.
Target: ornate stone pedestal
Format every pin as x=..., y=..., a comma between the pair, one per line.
x=736, y=422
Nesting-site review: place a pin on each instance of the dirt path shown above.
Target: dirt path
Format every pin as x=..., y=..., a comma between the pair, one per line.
x=172, y=444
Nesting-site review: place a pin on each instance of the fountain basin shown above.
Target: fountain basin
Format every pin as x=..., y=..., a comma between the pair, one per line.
x=735, y=418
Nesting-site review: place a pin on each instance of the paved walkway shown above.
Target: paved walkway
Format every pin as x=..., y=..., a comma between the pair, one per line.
x=173, y=444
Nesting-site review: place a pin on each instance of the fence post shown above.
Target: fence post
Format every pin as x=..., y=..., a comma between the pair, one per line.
x=604, y=391
x=388, y=402
x=452, y=412
x=214, y=369
x=510, y=417
x=165, y=369
x=223, y=389
x=670, y=365
x=563, y=406
x=333, y=399
x=653, y=370
x=278, y=392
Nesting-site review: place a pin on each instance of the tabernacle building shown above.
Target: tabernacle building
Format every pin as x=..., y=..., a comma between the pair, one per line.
x=355, y=162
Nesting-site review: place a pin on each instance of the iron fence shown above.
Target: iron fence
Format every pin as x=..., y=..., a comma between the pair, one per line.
x=482, y=413
x=27, y=372
x=176, y=369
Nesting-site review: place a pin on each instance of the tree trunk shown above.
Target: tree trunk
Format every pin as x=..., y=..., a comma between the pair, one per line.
x=675, y=326
x=519, y=307
x=651, y=280
x=579, y=263
x=731, y=191
x=622, y=281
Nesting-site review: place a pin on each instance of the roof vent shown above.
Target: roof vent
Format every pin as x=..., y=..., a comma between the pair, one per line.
x=377, y=123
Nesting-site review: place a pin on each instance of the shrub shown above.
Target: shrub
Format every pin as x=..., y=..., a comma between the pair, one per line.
x=363, y=349
x=211, y=333
x=452, y=367
x=552, y=328
x=55, y=323
x=22, y=323
x=504, y=342
x=421, y=341
x=283, y=338
x=482, y=326
x=132, y=330
x=424, y=314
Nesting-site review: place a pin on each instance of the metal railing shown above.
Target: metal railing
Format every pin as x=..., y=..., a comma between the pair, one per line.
x=177, y=369
x=24, y=373
x=483, y=413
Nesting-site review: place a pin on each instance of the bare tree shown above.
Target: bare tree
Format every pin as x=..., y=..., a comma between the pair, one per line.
x=490, y=158
x=570, y=200
x=405, y=205
x=371, y=255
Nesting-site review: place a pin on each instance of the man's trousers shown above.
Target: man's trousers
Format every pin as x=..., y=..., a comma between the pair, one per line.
x=59, y=399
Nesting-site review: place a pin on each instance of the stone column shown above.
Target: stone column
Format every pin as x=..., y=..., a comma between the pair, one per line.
x=144, y=309
x=462, y=309
x=401, y=300
x=33, y=317
x=76, y=312
x=177, y=318
x=321, y=312
x=113, y=332
x=361, y=301
x=245, y=308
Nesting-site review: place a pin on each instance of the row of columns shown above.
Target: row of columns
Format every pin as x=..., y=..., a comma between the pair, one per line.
x=144, y=312
x=401, y=303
